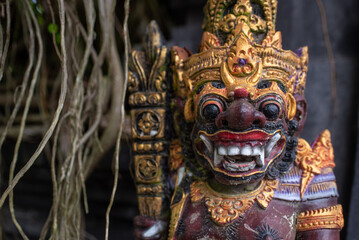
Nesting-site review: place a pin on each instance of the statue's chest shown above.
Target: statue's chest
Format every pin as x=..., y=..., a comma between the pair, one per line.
x=198, y=221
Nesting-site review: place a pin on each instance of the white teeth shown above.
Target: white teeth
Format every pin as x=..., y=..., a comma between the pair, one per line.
x=258, y=152
x=271, y=143
x=233, y=150
x=246, y=150
x=222, y=151
x=244, y=169
x=207, y=142
x=237, y=168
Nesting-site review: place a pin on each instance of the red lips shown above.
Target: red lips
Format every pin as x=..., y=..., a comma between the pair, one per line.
x=225, y=136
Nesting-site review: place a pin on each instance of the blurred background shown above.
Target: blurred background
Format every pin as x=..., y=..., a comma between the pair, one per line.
x=301, y=24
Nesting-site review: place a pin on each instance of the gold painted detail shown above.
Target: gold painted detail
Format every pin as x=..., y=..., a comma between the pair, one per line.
x=178, y=55
x=324, y=218
x=147, y=99
x=207, y=75
x=302, y=73
x=242, y=50
x=132, y=85
x=155, y=81
x=150, y=206
x=225, y=208
x=209, y=40
x=147, y=87
x=176, y=158
x=147, y=168
x=205, y=60
x=282, y=65
x=243, y=65
x=148, y=68
x=176, y=211
x=217, y=18
x=232, y=51
x=148, y=147
x=148, y=124
x=149, y=189
x=313, y=160
x=243, y=68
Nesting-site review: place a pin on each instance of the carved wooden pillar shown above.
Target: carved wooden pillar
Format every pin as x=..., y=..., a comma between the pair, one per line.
x=147, y=88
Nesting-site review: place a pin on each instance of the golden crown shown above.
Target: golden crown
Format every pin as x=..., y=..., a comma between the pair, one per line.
x=239, y=47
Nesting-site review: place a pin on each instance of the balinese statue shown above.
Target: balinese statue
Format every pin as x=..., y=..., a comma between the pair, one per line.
x=216, y=147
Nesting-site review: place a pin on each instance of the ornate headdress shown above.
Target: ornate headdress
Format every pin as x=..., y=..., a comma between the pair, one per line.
x=240, y=48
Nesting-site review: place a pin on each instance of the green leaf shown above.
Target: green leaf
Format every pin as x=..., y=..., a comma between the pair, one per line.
x=53, y=28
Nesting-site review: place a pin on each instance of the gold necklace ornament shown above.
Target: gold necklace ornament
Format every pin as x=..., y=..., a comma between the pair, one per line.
x=225, y=208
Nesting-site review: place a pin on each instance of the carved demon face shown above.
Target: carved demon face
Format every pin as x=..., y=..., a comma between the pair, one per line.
x=239, y=91
x=243, y=126
x=242, y=137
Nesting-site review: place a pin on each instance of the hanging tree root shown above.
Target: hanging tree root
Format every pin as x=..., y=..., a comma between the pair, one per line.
x=85, y=96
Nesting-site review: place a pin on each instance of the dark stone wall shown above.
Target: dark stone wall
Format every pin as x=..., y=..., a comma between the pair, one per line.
x=300, y=24
x=352, y=217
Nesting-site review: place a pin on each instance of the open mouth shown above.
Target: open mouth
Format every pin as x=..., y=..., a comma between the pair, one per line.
x=238, y=153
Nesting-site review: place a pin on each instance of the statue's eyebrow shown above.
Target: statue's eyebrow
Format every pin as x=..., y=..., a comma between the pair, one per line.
x=264, y=84
x=282, y=87
x=268, y=83
x=200, y=88
x=218, y=84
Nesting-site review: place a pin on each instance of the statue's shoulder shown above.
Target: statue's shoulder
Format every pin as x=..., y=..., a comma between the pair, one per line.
x=312, y=175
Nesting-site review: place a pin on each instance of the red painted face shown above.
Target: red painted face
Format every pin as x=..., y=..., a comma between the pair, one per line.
x=239, y=137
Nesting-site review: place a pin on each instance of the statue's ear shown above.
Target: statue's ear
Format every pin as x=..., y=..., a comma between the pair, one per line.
x=301, y=112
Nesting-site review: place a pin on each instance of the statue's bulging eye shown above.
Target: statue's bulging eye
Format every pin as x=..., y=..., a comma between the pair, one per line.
x=271, y=110
x=210, y=112
x=211, y=109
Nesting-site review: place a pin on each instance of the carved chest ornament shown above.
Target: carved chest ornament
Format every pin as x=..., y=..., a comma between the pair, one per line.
x=226, y=208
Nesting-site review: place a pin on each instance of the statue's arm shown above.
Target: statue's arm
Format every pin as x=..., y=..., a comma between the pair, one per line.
x=330, y=234
x=320, y=219
x=320, y=216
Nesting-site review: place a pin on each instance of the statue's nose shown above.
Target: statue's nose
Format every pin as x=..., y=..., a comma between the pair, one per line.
x=241, y=114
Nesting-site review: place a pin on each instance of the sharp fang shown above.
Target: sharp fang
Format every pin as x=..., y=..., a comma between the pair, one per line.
x=246, y=150
x=276, y=137
x=271, y=143
x=207, y=142
x=259, y=152
x=260, y=160
x=216, y=159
